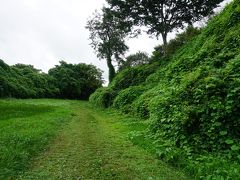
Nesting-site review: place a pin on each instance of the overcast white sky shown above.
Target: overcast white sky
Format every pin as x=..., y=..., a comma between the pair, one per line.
x=43, y=32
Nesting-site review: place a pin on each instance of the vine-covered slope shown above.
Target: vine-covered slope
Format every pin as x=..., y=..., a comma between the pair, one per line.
x=192, y=101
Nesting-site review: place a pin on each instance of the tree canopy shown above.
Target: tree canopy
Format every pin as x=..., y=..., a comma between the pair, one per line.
x=162, y=17
x=76, y=81
x=64, y=81
x=24, y=81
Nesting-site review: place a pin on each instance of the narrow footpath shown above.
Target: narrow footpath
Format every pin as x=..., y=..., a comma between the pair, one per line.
x=94, y=146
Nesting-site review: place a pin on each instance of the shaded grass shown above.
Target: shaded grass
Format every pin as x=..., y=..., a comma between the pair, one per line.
x=26, y=126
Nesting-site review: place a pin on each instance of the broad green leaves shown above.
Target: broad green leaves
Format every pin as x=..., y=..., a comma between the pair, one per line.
x=193, y=100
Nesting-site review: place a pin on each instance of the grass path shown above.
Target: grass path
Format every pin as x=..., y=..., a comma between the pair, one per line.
x=94, y=145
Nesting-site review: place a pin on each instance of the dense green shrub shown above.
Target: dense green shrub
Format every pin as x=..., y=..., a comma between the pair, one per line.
x=133, y=76
x=162, y=53
x=24, y=81
x=76, y=81
x=103, y=97
x=65, y=81
x=193, y=106
x=140, y=105
x=192, y=101
x=196, y=107
x=125, y=97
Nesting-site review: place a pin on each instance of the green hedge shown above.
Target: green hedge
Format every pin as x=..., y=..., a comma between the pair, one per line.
x=103, y=97
x=124, y=99
x=133, y=76
x=193, y=100
x=64, y=81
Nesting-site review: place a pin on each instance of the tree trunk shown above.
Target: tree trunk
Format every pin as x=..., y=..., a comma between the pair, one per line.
x=111, y=69
x=164, y=37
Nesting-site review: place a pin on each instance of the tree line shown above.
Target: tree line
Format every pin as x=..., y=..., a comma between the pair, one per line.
x=122, y=19
x=68, y=81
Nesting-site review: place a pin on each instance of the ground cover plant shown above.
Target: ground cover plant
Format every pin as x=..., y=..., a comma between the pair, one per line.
x=192, y=100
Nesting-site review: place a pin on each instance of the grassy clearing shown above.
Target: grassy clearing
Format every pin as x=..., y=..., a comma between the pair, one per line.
x=93, y=145
x=26, y=126
x=59, y=139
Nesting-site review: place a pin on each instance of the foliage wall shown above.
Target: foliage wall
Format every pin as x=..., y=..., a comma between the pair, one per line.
x=192, y=100
x=64, y=81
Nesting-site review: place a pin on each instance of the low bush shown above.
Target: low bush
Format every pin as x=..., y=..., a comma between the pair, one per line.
x=103, y=97
x=140, y=106
x=125, y=98
x=133, y=76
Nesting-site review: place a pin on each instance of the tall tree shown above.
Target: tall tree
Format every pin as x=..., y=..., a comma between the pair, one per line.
x=107, y=35
x=163, y=16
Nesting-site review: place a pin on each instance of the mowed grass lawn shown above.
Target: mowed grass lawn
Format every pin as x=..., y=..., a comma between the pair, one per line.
x=26, y=126
x=62, y=139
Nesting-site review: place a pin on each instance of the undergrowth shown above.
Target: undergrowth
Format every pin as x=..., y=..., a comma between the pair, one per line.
x=192, y=101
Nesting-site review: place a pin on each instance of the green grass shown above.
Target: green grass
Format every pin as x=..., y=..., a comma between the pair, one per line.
x=26, y=126
x=71, y=140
